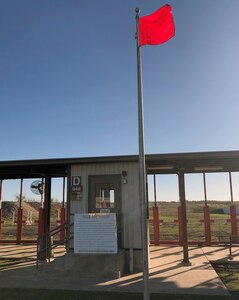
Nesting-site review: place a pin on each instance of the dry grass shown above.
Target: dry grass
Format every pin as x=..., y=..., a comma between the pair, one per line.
x=39, y=294
x=220, y=228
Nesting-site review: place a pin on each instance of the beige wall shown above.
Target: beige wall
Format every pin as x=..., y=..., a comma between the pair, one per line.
x=130, y=200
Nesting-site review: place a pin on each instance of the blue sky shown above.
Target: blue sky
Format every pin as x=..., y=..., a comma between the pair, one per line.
x=68, y=79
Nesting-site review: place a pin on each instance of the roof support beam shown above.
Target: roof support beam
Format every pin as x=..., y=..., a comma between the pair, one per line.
x=181, y=185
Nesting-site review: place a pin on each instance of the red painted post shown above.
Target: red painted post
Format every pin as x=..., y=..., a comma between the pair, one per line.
x=156, y=225
x=207, y=225
x=180, y=227
x=234, y=231
x=19, y=225
x=62, y=221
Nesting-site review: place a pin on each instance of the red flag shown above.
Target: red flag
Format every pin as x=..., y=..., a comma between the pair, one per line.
x=157, y=28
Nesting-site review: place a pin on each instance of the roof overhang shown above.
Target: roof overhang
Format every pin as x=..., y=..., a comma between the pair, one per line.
x=196, y=162
x=171, y=163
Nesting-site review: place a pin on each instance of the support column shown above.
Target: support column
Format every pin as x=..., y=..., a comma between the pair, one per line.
x=68, y=210
x=206, y=211
x=46, y=221
x=62, y=222
x=155, y=216
x=63, y=191
x=19, y=216
x=63, y=212
x=234, y=230
x=207, y=225
x=180, y=226
x=47, y=205
x=42, y=192
x=156, y=225
x=40, y=222
x=233, y=214
x=19, y=225
x=184, y=216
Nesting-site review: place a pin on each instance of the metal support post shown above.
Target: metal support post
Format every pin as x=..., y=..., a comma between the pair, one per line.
x=156, y=225
x=234, y=229
x=20, y=215
x=40, y=222
x=233, y=214
x=206, y=211
x=184, y=216
x=47, y=214
x=207, y=225
x=156, y=216
x=19, y=225
x=180, y=226
x=68, y=210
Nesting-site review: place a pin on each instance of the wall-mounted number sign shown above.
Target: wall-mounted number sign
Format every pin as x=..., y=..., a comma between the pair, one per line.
x=76, y=186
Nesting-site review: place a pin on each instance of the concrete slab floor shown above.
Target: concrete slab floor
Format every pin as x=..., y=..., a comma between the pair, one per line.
x=167, y=274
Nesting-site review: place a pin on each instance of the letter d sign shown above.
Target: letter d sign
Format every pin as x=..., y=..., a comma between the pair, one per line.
x=76, y=180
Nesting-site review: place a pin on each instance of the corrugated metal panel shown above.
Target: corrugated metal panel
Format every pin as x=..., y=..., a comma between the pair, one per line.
x=130, y=200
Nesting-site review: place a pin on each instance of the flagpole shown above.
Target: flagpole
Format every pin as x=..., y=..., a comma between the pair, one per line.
x=142, y=171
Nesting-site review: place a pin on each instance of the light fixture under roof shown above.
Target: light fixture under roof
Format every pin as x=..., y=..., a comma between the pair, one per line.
x=166, y=167
x=209, y=168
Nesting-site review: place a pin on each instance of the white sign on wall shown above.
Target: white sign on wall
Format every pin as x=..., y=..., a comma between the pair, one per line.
x=76, y=186
x=95, y=233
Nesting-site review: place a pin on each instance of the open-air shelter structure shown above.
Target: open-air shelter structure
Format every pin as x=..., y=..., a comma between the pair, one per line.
x=119, y=174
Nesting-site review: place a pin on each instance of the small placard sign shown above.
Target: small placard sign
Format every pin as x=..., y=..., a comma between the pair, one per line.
x=76, y=186
x=95, y=233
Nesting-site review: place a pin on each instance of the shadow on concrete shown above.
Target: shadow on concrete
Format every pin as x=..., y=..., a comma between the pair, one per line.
x=167, y=275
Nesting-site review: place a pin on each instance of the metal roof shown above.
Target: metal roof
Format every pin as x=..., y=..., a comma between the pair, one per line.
x=194, y=162
x=53, y=167
x=170, y=163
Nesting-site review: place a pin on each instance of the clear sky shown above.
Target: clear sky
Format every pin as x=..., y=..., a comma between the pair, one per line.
x=68, y=78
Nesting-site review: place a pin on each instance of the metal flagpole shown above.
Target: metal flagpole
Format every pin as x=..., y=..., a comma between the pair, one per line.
x=142, y=172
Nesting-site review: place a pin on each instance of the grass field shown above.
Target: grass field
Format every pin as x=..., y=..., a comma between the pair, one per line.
x=229, y=274
x=30, y=218
x=38, y=294
x=29, y=232
x=220, y=227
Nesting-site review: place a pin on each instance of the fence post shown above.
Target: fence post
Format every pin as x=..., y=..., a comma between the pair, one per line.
x=180, y=228
x=233, y=214
x=19, y=225
x=156, y=225
x=207, y=225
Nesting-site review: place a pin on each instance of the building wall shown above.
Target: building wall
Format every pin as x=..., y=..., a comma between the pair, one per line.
x=130, y=200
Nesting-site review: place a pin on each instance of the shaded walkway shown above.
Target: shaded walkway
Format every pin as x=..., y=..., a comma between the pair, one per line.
x=167, y=274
